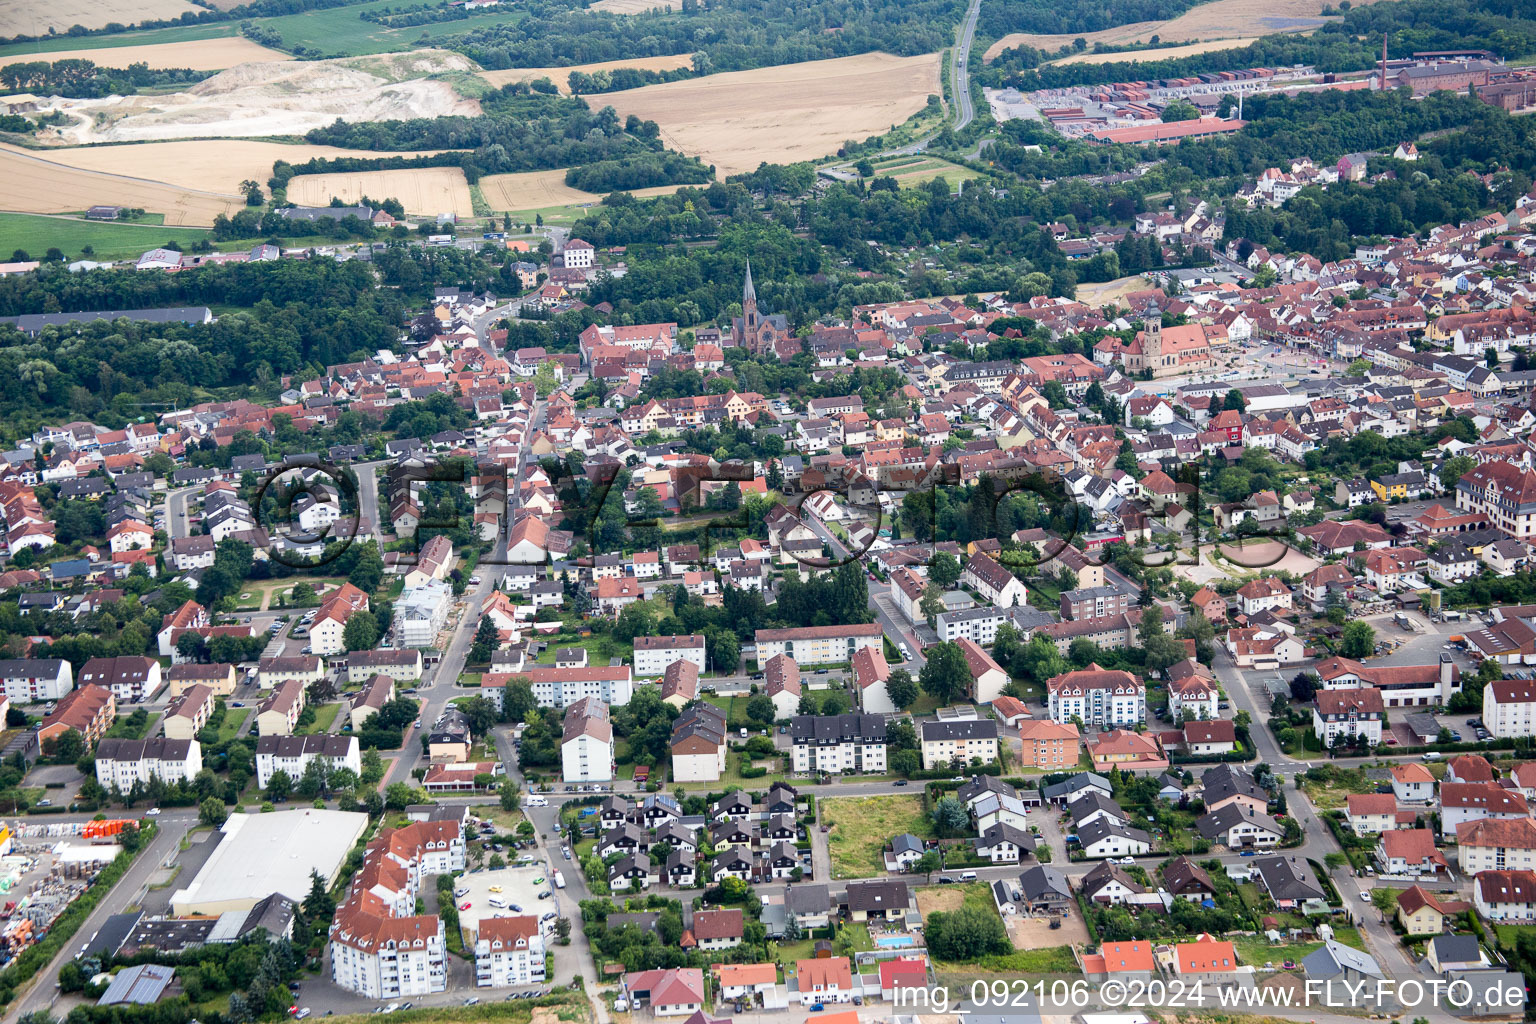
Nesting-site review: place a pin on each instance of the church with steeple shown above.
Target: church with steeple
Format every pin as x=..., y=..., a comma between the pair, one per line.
x=754, y=331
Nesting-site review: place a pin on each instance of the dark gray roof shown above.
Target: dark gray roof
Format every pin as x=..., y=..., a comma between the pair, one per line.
x=1101, y=828
x=880, y=895
x=834, y=729
x=1218, y=822
x=1066, y=787
x=807, y=899
x=1285, y=880
x=1042, y=882
x=968, y=729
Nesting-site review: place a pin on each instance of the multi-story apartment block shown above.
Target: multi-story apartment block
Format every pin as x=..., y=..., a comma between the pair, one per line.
x=1094, y=603
x=945, y=743
x=509, y=951
x=562, y=687
x=1097, y=696
x=379, y=947
x=188, y=713
x=586, y=746
x=121, y=763
x=817, y=645
x=278, y=715
x=1509, y=708
x=90, y=711
x=402, y=666
x=292, y=754
x=654, y=653
x=1049, y=745
x=132, y=678
x=1496, y=844
x=838, y=743
x=1348, y=713
x=29, y=680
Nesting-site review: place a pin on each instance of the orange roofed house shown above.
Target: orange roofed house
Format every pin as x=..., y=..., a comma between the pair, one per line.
x=1128, y=751
x=824, y=980
x=1205, y=959
x=1119, y=960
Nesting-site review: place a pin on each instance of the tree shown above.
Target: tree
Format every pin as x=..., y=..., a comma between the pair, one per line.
x=944, y=569
x=487, y=639
x=1180, y=110
x=950, y=817
x=945, y=676
x=1264, y=277
x=1235, y=402
x=67, y=747
x=760, y=708
x=1358, y=640
x=279, y=786
x=318, y=905
x=509, y=796
x=211, y=812
x=189, y=646
x=361, y=631
x=932, y=603
x=1454, y=469
x=969, y=933
x=901, y=689
x=1384, y=899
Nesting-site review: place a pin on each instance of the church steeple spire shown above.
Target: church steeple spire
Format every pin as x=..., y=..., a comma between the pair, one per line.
x=748, y=293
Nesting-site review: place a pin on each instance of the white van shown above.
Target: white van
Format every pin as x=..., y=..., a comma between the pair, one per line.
x=968, y=876
x=536, y=801
x=1433, y=755
x=498, y=903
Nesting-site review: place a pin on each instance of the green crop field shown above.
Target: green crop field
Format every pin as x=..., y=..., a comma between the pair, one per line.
x=179, y=34
x=110, y=241
x=339, y=30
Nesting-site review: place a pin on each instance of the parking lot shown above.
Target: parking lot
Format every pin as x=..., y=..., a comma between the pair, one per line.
x=513, y=887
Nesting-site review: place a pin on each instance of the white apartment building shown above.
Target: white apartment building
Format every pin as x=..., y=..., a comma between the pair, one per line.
x=29, y=680
x=121, y=763
x=509, y=951
x=292, y=754
x=1496, y=844
x=838, y=743
x=654, y=653
x=1509, y=708
x=978, y=625
x=966, y=739
x=562, y=687
x=378, y=947
x=586, y=747
x=817, y=645
x=1098, y=697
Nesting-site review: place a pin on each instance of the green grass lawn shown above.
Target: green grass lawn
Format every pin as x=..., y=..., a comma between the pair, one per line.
x=325, y=715
x=600, y=647
x=234, y=721
x=109, y=240
x=125, y=729
x=1332, y=793
x=1255, y=951
x=862, y=826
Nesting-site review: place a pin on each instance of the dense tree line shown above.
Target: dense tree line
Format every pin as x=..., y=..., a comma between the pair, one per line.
x=746, y=34
x=620, y=79
x=83, y=79
x=519, y=129
x=295, y=314
x=1053, y=16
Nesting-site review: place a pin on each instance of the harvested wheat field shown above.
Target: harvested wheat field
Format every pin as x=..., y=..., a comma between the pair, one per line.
x=783, y=114
x=34, y=185
x=272, y=98
x=636, y=6
x=211, y=165
x=1162, y=53
x=538, y=190
x=427, y=191
x=562, y=76
x=35, y=17
x=1220, y=19
x=199, y=55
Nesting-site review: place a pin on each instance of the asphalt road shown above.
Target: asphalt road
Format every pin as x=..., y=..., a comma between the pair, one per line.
x=960, y=73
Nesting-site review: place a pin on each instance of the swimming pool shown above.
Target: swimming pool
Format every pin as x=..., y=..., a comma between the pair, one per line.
x=894, y=941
